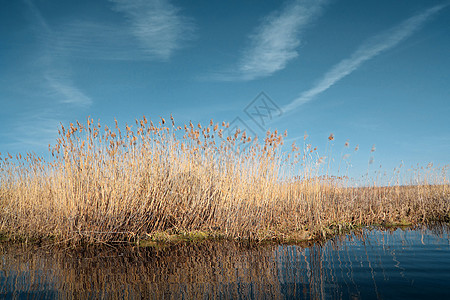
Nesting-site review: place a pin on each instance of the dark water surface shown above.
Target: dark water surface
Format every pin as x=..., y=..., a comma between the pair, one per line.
x=401, y=264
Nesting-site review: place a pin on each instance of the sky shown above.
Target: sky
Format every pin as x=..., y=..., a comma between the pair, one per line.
x=375, y=73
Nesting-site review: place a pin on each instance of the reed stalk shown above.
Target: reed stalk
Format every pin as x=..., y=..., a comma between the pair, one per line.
x=103, y=185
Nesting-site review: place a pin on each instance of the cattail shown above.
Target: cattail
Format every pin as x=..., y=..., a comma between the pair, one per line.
x=346, y=144
x=356, y=148
x=162, y=120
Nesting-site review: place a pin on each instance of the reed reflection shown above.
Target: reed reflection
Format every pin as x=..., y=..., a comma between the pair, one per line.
x=211, y=270
x=371, y=264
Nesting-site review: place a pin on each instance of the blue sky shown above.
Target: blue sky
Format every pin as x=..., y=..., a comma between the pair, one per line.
x=370, y=72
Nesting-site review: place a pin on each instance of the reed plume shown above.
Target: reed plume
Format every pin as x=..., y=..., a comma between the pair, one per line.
x=105, y=185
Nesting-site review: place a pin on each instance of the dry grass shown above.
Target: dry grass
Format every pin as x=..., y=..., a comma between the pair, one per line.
x=105, y=185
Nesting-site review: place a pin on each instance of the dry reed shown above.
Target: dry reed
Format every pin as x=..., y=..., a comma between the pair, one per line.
x=105, y=185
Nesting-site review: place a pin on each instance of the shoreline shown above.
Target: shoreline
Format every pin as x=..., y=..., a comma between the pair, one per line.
x=172, y=238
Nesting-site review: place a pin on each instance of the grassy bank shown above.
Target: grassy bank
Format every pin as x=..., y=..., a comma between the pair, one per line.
x=105, y=185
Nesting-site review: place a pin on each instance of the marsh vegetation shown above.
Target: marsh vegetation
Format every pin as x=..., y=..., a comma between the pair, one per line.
x=104, y=185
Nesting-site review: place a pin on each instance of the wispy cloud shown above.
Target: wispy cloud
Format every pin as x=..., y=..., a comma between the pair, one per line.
x=35, y=130
x=275, y=41
x=59, y=82
x=85, y=39
x=157, y=24
x=144, y=30
x=371, y=48
x=47, y=87
x=63, y=89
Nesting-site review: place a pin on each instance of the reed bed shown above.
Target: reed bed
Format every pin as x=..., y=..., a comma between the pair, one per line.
x=106, y=185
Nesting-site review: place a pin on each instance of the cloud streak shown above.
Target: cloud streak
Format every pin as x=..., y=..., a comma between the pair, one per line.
x=157, y=25
x=146, y=30
x=60, y=86
x=35, y=130
x=371, y=48
x=275, y=42
x=84, y=39
x=63, y=89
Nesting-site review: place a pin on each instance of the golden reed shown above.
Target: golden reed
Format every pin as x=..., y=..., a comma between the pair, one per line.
x=105, y=185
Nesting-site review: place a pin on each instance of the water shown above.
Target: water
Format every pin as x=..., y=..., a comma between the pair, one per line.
x=402, y=264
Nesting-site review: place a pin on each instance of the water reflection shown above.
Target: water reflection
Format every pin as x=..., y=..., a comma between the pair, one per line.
x=372, y=264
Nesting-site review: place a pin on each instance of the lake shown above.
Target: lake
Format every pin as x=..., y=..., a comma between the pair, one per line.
x=372, y=264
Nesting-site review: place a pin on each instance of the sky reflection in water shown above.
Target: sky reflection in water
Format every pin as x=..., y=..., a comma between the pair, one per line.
x=404, y=264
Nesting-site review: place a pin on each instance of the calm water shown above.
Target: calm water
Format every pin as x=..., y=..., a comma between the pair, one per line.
x=403, y=264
